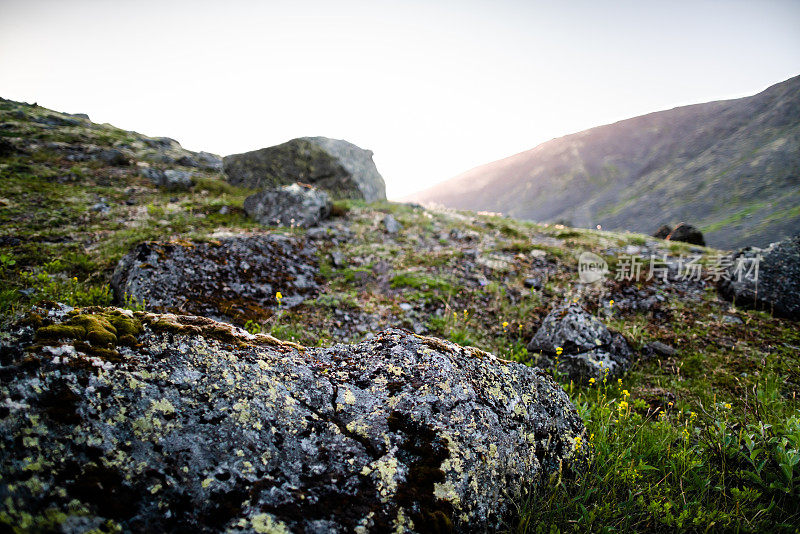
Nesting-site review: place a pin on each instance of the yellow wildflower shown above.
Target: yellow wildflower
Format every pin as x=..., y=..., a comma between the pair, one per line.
x=577, y=443
x=625, y=393
x=727, y=406
x=611, y=303
x=505, y=324
x=559, y=350
x=278, y=297
x=591, y=380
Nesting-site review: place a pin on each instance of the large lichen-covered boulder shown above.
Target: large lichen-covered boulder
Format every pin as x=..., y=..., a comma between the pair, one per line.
x=234, y=279
x=573, y=341
x=765, y=279
x=296, y=205
x=196, y=425
x=340, y=168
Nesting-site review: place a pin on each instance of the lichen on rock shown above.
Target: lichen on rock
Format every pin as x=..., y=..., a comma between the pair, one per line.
x=204, y=426
x=233, y=279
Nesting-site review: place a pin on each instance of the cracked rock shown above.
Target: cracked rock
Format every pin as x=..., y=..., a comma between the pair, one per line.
x=195, y=425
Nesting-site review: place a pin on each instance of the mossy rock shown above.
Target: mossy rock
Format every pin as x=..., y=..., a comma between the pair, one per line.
x=107, y=328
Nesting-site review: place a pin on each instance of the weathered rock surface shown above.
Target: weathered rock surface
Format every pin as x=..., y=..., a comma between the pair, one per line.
x=688, y=234
x=588, y=348
x=291, y=205
x=771, y=283
x=232, y=279
x=171, y=179
x=153, y=423
x=340, y=168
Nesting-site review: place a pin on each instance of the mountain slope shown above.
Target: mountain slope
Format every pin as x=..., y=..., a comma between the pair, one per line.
x=730, y=167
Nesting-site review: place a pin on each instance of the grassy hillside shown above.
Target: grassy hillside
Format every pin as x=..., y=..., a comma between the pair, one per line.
x=731, y=168
x=707, y=438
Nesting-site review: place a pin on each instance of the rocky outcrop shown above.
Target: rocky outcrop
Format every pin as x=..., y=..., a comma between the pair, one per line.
x=295, y=205
x=688, y=234
x=338, y=167
x=170, y=179
x=162, y=423
x=765, y=279
x=573, y=341
x=231, y=279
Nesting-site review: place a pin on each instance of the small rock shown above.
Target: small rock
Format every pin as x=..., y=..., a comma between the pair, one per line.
x=293, y=205
x=405, y=306
x=337, y=259
x=731, y=319
x=170, y=179
x=662, y=349
x=588, y=349
x=100, y=207
x=391, y=224
x=112, y=157
x=533, y=283
x=224, y=210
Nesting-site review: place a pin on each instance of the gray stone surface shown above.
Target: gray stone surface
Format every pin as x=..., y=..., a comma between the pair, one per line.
x=774, y=286
x=170, y=179
x=338, y=167
x=292, y=205
x=188, y=425
x=390, y=224
x=588, y=348
x=232, y=279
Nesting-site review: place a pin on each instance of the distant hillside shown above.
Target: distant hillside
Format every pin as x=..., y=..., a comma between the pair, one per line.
x=731, y=167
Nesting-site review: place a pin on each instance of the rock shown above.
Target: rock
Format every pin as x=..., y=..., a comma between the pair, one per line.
x=662, y=349
x=771, y=283
x=688, y=234
x=232, y=279
x=337, y=260
x=588, y=348
x=161, y=143
x=663, y=231
x=209, y=161
x=79, y=115
x=533, y=283
x=7, y=148
x=100, y=207
x=187, y=161
x=406, y=307
x=391, y=224
x=224, y=210
x=170, y=179
x=292, y=205
x=164, y=423
x=113, y=157
x=338, y=167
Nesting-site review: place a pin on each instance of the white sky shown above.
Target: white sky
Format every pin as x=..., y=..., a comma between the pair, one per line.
x=433, y=88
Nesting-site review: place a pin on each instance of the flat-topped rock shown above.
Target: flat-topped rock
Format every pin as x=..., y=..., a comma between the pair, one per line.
x=338, y=167
x=231, y=279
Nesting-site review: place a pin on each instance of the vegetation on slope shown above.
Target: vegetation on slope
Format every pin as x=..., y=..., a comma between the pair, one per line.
x=705, y=439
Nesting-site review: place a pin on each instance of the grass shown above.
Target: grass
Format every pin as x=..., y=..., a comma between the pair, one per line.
x=725, y=467
x=706, y=440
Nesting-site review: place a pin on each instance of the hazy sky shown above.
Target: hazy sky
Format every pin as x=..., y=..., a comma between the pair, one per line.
x=433, y=88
